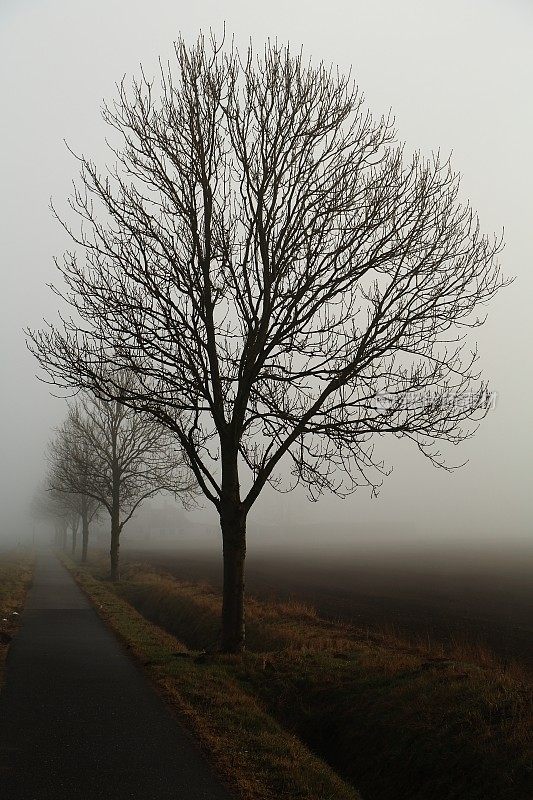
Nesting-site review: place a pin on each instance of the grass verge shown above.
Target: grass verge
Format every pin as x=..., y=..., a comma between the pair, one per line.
x=257, y=757
x=395, y=721
x=16, y=571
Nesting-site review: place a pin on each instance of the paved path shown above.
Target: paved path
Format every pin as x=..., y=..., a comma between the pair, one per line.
x=78, y=719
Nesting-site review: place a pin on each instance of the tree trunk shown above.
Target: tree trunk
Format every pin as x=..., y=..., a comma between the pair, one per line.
x=74, y=538
x=115, y=510
x=114, y=550
x=64, y=533
x=84, y=536
x=233, y=525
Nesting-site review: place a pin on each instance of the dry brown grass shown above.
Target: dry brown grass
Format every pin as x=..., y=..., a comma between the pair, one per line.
x=16, y=569
x=400, y=719
x=193, y=612
x=290, y=625
x=259, y=758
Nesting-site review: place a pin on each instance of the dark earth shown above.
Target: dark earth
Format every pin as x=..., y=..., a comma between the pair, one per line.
x=472, y=596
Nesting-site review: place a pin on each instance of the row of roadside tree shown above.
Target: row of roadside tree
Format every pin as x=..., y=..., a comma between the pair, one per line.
x=104, y=461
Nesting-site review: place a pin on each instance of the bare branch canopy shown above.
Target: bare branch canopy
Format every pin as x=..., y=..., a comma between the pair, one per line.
x=271, y=265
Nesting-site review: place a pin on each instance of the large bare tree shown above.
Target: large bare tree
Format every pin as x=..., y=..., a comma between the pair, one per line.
x=283, y=281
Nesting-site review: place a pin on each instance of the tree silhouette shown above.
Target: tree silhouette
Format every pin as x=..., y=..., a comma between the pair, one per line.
x=283, y=281
x=71, y=472
x=55, y=507
x=115, y=458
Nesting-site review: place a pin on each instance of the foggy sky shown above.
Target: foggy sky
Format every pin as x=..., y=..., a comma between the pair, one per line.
x=457, y=76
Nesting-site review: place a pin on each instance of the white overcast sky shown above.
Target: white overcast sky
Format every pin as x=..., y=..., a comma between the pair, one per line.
x=458, y=77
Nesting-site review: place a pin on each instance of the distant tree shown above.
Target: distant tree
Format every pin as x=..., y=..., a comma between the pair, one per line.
x=116, y=458
x=71, y=467
x=282, y=280
x=53, y=507
x=74, y=520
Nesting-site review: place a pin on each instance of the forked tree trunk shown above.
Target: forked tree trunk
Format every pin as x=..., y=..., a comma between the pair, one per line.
x=84, y=536
x=233, y=525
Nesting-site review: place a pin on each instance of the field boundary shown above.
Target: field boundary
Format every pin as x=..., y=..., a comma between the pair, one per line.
x=256, y=757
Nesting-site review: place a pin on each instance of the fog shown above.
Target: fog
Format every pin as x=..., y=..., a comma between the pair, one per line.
x=458, y=78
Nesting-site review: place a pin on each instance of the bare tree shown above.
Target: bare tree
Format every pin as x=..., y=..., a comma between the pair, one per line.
x=53, y=506
x=270, y=265
x=71, y=467
x=74, y=519
x=117, y=458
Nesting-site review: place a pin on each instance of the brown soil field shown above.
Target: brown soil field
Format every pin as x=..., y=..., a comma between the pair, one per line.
x=456, y=599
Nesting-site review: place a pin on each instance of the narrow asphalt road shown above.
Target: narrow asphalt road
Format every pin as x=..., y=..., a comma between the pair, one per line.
x=78, y=719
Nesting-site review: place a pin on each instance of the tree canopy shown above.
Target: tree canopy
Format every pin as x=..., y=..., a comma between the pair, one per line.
x=271, y=265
